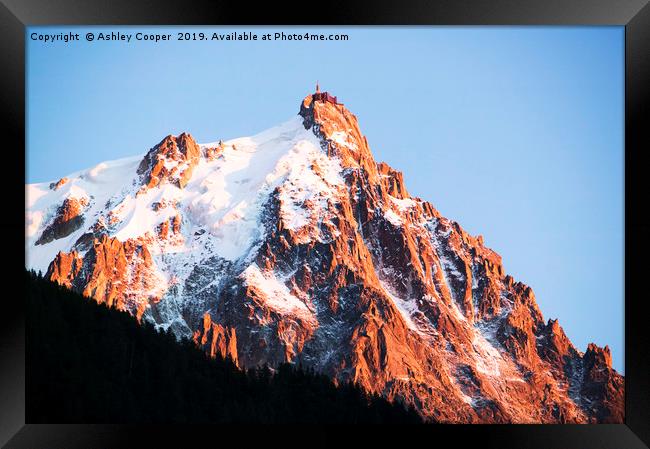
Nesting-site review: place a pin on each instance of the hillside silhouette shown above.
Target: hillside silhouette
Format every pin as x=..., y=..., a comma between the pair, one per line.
x=87, y=363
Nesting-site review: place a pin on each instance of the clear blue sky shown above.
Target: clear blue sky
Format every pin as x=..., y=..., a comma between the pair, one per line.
x=516, y=133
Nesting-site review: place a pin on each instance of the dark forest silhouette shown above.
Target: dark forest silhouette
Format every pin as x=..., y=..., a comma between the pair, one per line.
x=87, y=363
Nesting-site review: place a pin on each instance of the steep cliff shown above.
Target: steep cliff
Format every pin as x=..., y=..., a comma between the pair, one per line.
x=295, y=245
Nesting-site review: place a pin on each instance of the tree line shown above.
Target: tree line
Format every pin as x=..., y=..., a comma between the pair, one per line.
x=87, y=363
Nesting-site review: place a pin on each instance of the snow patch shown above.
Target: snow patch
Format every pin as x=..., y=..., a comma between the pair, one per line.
x=488, y=357
x=33, y=222
x=406, y=307
x=314, y=180
x=393, y=218
x=227, y=195
x=136, y=215
x=276, y=294
x=98, y=185
x=403, y=204
x=343, y=139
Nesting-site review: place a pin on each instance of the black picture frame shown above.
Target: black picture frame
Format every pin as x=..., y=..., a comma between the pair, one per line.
x=15, y=15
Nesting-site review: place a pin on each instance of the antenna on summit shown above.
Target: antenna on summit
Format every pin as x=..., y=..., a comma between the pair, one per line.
x=317, y=87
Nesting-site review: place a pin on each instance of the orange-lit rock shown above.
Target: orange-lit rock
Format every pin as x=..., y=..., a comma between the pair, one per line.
x=172, y=160
x=64, y=268
x=112, y=272
x=216, y=339
x=211, y=153
x=68, y=219
x=374, y=287
x=59, y=183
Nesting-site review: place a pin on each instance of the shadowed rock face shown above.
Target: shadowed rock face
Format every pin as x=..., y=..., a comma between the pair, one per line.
x=369, y=285
x=59, y=183
x=602, y=388
x=68, y=219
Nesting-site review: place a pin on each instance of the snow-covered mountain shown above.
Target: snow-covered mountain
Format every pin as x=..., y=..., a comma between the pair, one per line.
x=295, y=245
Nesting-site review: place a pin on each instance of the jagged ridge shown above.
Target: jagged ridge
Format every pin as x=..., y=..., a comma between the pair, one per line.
x=294, y=245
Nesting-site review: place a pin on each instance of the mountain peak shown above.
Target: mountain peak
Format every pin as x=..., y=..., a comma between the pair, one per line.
x=339, y=131
x=295, y=245
x=172, y=160
x=311, y=102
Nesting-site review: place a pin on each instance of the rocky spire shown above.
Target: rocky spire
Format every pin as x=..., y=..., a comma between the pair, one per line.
x=339, y=131
x=172, y=160
x=346, y=274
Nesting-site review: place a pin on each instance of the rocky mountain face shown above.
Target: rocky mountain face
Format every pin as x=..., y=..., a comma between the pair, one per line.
x=296, y=245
